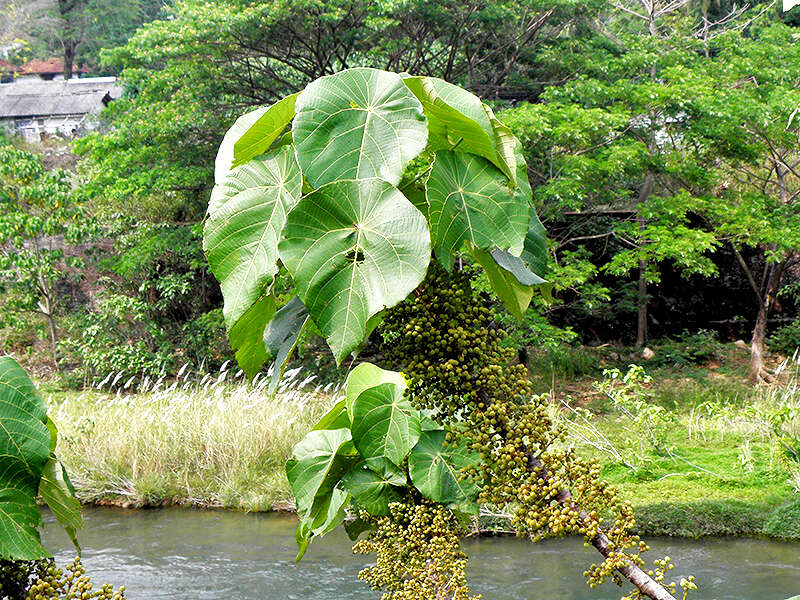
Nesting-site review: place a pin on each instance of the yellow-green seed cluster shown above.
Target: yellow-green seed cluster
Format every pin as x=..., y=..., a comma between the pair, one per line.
x=418, y=554
x=444, y=339
x=47, y=582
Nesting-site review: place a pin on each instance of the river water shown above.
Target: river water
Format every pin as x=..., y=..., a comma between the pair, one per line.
x=179, y=554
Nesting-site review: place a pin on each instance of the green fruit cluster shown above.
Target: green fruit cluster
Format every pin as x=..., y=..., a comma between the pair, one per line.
x=42, y=580
x=444, y=339
x=418, y=554
x=17, y=576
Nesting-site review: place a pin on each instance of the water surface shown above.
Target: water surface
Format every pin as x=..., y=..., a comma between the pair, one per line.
x=209, y=555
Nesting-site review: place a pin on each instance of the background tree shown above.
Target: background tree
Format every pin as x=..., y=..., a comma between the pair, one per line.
x=752, y=111
x=38, y=221
x=78, y=29
x=617, y=150
x=188, y=76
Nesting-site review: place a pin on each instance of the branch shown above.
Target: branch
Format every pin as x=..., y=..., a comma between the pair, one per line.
x=749, y=274
x=643, y=582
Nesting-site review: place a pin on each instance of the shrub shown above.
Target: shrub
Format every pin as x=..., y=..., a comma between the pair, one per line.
x=157, y=309
x=688, y=348
x=567, y=362
x=785, y=339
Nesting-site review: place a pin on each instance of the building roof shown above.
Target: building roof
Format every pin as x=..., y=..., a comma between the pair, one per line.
x=50, y=66
x=7, y=67
x=36, y=98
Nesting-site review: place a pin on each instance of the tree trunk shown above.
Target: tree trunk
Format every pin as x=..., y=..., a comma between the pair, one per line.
x=72, y=15
x=757, y=345
x=69, y=57
x=641, y=322
x=53, y=341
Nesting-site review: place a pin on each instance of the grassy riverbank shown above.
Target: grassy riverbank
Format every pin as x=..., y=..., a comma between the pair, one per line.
x=219, y=445
x=223, y=444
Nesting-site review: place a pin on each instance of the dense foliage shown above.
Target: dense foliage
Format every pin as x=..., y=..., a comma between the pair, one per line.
x=643, y=148
x=40, y=221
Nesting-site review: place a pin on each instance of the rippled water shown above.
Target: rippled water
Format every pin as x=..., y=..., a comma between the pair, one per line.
x=204, y=555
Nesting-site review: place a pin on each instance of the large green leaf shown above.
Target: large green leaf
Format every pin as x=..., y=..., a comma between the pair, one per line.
x=318, y=462
x=271, y=122
x=366, y=375
x=241, y=236
x=534, y=252
x=24, y=452
x=354, y=247
x=384, y=423
x=506, y=144
x=281, y=335
x=357, y=124
x=252, y=134
x=317, y=465
x=372, y=484
x=510, y=279
x=326, y=514
x=247, y=335
x=470, y=201
x=56, y=493
x=435, y=469
x=457, y=119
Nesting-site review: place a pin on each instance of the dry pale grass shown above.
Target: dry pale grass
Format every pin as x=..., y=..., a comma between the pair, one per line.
x=210, y=442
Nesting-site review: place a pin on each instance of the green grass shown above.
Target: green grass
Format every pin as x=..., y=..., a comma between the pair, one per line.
x=214, y=446
x=723, y=473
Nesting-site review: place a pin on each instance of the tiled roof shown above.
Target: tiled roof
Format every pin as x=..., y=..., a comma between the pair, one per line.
x=51, y=66
x=7, y=67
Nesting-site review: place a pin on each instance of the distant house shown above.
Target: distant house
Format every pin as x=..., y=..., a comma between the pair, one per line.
x=33, y=107
x=47, y=70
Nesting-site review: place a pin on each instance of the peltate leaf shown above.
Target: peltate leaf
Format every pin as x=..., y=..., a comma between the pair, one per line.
x=318, y=462
x=470, y=201
x=384, y=423
x=354, y=247
x=241, y=236
x=506, y=144
x=435, y=471
x=326, y=514
x=252, y=134
x=372, y=484
x=271, y=122
x=317, y=465
x=357, y=124
x=366, y=375
x=24, y=452
x=458, y=120
x=247, y=335
x=281, y=335
x=56, y=493
x=534, y=252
